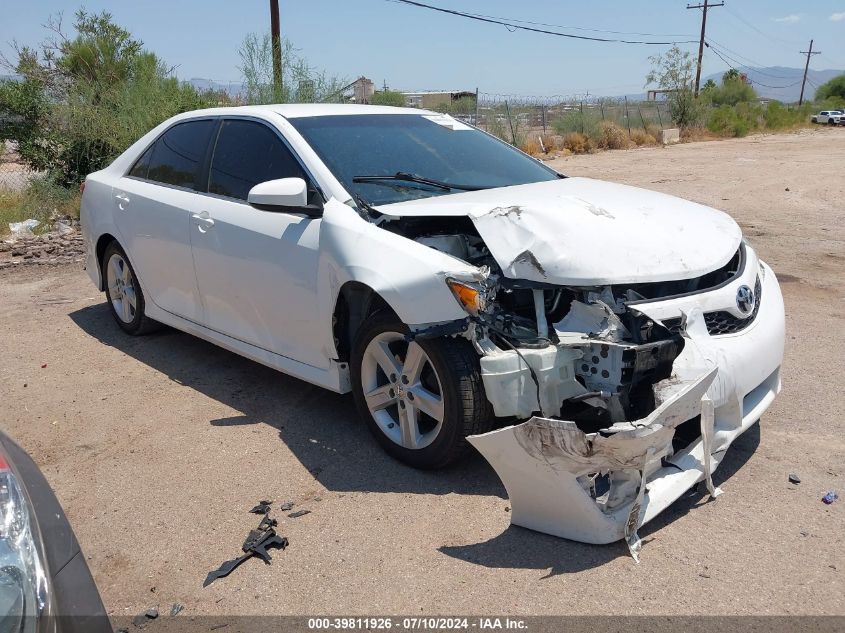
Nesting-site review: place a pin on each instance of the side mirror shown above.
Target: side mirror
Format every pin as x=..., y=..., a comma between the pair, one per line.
x=284, y=194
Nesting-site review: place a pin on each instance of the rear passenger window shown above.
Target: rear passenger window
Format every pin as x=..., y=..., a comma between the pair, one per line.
x=140, y=169
x=246, y=154
x=177, y=155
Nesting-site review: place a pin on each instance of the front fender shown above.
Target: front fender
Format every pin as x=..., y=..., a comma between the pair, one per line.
x=409, y=276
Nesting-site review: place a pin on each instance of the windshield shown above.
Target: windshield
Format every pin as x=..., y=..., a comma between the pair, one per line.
x=406, y=150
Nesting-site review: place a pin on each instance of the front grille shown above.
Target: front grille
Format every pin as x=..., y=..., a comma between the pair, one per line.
x=721, y=322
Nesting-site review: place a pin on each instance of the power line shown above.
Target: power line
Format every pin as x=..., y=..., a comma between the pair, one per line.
x=710, y=41
x=754, y=28
x=704, y=8
x=577, y=28
x=729, y=65
x=710, y=44
x=513, y=25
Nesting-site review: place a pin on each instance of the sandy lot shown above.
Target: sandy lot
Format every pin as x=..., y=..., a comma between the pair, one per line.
x=158, y=446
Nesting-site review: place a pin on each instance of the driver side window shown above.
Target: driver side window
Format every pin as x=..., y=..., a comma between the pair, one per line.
x=247, y=153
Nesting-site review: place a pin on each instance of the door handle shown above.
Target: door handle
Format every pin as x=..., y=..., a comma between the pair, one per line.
x=203, y=221
x=122, y=201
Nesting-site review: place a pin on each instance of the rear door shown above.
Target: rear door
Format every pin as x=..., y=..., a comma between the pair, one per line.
x=154, y=202
x=257, y=270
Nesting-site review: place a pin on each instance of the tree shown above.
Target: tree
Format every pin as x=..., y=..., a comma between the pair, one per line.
x=832, y=89
x=733, y=90
x=673, y=71
x=301, y=83
x=388, y=98
x=730, y=75
x=708, y=85
x=82, y=100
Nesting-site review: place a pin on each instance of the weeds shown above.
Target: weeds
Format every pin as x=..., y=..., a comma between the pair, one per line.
x=42, y=201
x=578, y=143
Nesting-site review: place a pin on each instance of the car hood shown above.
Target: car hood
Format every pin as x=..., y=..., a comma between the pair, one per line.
x=580, y=231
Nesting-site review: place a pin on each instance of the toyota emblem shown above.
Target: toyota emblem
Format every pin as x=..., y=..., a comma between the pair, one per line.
x=745, y=299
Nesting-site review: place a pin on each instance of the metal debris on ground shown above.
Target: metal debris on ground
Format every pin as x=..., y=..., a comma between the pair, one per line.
x=257, y=541
x=794, y=479
x=298, y=513
x=829, y=497
x=176, y=609
x=143, y=619
x=263, y=507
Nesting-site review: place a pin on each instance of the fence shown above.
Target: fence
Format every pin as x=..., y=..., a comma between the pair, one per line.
x=15, y=176
x=513, y=118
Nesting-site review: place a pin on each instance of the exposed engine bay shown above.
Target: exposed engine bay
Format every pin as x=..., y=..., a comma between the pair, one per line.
x=608, y=395
x=616, y=354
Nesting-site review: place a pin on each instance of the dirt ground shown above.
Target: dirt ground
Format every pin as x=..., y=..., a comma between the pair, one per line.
x=158, y=446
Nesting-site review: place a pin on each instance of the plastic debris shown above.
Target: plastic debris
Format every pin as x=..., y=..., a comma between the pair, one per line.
x=23, y=229
x=256, y=544
x=263, y=507
x=794, y=479
x=298, y=513
x=62, y=227
x=829, y=497
x=176, y=609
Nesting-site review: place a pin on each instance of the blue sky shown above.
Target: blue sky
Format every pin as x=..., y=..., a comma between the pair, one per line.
x=416, y=49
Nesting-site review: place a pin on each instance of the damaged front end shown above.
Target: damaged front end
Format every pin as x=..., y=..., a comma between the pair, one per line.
x=627, y=391
x=617, y=396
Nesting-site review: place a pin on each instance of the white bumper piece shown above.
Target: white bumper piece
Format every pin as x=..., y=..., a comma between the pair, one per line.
x=588, y=487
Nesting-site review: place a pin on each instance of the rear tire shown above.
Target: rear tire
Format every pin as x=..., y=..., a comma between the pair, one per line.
x=408, y=386
x=123, y=293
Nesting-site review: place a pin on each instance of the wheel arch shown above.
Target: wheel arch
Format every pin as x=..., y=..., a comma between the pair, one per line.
x=100, y=249
x=355, y=302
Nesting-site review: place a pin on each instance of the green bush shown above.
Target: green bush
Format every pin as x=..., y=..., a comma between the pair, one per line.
x=834, y=88
x=85, y=99
x=732, y=91
x=388, y=98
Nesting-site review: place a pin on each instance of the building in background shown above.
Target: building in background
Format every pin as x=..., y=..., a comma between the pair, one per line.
x=436, y=99
x=362, y=90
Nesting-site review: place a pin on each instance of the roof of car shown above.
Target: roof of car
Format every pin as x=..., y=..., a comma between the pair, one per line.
x=298, y=110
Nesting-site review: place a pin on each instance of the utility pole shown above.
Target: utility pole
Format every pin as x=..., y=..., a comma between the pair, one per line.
x=806, y=68
x=275, y=35
x=704, y=8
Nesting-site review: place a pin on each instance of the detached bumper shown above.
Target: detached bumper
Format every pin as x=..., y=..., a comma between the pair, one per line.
x=587, y=486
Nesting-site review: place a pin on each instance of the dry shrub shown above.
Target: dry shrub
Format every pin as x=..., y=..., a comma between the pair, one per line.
x=531, y=146
x=653, y=129
x=696, y=134
x=577, y=143
x=612, y=136
x=641, y=137
x=552, y=142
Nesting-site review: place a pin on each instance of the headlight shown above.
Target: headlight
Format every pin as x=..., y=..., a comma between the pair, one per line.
x=23, y=581
x=467, y=295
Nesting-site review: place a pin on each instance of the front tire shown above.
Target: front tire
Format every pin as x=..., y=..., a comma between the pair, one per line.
x=420, y=399
x=123, y=292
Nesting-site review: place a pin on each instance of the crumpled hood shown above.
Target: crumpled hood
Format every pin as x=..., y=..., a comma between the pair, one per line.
x=580, y=231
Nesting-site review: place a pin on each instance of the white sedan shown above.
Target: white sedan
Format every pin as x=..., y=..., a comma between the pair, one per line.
x=600, y=345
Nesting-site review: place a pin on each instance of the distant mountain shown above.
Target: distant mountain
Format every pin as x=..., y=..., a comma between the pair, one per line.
x=233, y=88
x=781, y=83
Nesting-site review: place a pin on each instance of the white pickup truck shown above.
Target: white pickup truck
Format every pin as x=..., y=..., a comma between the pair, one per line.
x=831, y=117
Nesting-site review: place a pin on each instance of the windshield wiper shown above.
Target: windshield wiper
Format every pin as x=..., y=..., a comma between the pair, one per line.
x=406, y=177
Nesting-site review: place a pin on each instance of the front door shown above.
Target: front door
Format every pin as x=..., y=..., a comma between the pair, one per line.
x=256, y=270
